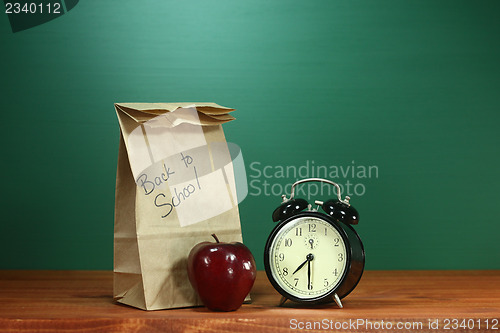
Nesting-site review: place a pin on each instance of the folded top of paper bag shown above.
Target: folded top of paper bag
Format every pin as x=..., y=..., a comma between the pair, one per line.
x=208, y=113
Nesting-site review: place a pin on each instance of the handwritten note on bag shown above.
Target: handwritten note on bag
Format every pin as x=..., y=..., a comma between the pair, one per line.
x=178, y=171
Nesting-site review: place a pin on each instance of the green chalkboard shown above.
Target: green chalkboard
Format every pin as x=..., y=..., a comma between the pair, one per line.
x=398, y=101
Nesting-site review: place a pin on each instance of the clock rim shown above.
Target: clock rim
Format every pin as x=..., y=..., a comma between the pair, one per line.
x=321, y=298
x=359, y=262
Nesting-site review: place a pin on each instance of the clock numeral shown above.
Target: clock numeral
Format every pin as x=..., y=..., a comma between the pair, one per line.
x=281, y=256
x=336, y=241
x=310, y=286
x=296, y=281
x=298, y=231
x=326, y=231
x=341, y=256
x=285, y=271
x=335, y=272
x=288, y=242
x=326, y=283
x=312, y=227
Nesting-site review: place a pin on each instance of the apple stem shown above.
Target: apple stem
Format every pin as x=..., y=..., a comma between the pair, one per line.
x=215, y=237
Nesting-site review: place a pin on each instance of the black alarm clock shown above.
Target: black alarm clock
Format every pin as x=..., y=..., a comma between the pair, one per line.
x=314, y=256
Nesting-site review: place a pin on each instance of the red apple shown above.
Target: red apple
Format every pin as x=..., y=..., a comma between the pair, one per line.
x=221, y=273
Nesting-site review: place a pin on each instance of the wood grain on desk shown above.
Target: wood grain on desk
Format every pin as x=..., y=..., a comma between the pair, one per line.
x=67, y=300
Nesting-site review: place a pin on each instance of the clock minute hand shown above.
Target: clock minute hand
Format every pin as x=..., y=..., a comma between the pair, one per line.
x=310, y=258
x=309, y=275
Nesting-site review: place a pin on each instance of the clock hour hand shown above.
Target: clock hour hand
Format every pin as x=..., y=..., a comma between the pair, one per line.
x=300, y=266
x=309, y=257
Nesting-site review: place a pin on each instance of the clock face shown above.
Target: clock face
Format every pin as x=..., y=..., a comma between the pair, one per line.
x=308, y=258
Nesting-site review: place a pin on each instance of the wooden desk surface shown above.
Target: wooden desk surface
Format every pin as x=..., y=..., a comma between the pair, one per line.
x=67, y=300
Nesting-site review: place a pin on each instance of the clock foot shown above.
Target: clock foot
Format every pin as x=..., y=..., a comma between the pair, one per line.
x=283, y=300
x=337, y=300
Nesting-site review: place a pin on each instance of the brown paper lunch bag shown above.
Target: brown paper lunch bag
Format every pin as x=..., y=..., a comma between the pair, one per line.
x=168, y=182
